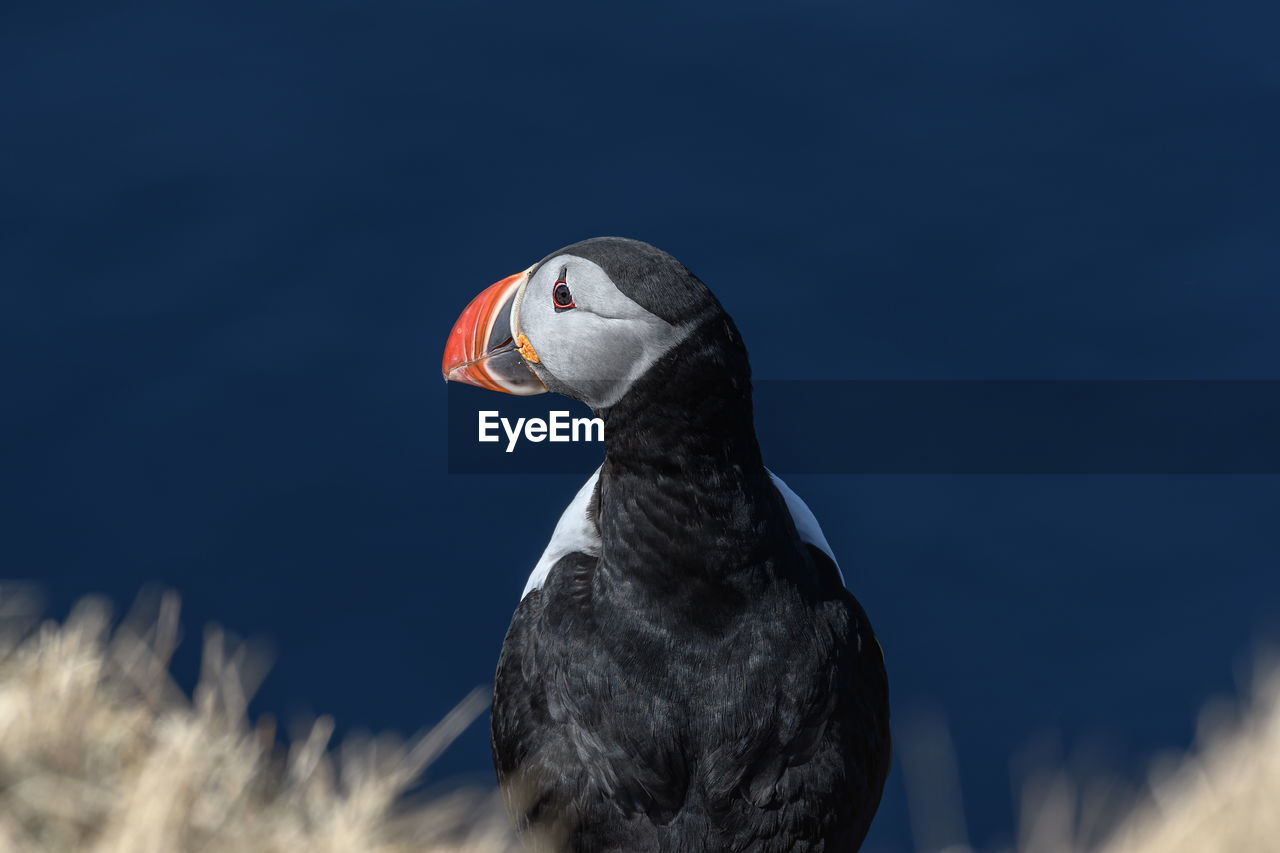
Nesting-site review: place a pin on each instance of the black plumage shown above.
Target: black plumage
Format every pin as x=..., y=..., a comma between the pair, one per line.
x=707, y=683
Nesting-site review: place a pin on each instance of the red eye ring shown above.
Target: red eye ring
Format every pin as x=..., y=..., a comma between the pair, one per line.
x=561, y=296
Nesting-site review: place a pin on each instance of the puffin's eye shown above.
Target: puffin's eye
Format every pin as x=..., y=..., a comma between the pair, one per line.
x=561, y=295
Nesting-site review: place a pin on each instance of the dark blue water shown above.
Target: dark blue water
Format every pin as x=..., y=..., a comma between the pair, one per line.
x=233, y=238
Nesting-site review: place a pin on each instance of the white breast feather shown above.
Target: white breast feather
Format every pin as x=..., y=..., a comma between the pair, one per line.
x=576, y=533
x=805, y=521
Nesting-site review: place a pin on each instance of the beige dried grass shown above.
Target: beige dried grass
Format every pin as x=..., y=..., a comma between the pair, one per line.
x=1220, y=796
x=100, y=752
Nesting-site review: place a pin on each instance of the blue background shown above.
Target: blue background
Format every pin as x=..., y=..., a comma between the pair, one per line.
x=233, y=237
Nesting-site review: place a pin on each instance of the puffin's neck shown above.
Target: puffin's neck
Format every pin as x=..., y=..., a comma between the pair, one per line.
x=685, y=501
x=690, y=411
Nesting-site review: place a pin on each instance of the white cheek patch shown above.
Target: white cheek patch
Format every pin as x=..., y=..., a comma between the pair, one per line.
x=574, y=533
x=608, y=355
x=601, y=347
x=805, y=521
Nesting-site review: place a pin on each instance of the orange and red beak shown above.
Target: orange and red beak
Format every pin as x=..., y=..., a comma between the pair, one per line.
x=481, y=349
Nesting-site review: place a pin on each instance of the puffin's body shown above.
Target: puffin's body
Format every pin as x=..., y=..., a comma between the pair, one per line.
x=686, y=670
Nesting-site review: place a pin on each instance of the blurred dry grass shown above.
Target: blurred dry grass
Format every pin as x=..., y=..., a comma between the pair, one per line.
x=1221, y=796
x=101, y=752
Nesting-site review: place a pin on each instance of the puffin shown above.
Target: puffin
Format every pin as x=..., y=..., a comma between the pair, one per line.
x=686, y=670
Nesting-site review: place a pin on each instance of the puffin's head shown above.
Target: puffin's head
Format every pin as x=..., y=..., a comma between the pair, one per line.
x=586, y=322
